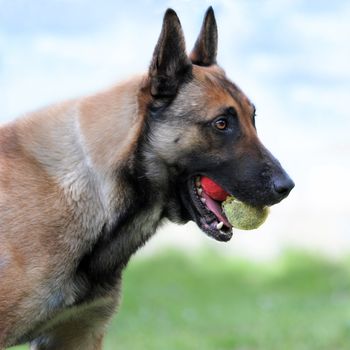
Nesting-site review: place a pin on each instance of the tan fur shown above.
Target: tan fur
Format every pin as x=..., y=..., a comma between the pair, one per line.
x=58, y=186
x=85, y=183
x=54, y=174
x=98, y=118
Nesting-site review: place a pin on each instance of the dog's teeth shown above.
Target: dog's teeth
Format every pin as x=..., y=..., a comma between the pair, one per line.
x=203, y=200
x=220, y=225
x=199, y=190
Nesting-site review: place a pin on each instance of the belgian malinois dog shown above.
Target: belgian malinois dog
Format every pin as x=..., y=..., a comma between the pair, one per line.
x=86, y=182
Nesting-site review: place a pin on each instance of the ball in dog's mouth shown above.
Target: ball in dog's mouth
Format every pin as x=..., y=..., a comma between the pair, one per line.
x=243, y=216
x=221, y=211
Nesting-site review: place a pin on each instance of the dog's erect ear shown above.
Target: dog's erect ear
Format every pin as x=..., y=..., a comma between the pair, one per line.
x=205, y=48
x=170, y=65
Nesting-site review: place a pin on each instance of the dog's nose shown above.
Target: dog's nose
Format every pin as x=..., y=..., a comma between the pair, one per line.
x=282, y=185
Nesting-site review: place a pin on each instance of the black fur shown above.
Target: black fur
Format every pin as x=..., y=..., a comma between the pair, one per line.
x=170, y=65
x=205, y=49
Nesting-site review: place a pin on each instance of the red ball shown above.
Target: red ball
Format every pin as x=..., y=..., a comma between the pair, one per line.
x=213, y=190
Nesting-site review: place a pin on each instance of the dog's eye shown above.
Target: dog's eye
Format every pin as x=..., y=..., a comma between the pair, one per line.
x=221, y=123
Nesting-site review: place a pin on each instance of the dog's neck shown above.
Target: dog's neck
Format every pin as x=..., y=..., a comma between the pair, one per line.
x=90, y=148
x=82, y=143
x=96, y=134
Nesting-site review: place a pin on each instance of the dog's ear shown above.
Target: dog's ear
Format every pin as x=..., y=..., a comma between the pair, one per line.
x=170, y=65
x=205, y=48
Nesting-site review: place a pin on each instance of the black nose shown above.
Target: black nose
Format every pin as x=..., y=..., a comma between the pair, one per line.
x=282, y=185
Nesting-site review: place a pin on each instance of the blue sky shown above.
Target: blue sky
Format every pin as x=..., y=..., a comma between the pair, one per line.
x=286, y=44
x=290, y=56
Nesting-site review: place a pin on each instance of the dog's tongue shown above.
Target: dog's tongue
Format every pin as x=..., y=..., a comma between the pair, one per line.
x=213, y=195
x=215, y=208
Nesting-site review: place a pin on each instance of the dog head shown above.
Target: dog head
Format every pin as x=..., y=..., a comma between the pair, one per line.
x=202, y=124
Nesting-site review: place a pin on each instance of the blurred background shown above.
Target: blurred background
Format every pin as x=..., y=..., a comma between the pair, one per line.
x=289, y=279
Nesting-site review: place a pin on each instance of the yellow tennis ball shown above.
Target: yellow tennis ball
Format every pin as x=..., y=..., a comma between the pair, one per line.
x=244, y=216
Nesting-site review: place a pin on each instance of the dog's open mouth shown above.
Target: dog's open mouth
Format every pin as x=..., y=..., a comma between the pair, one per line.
x=208, y=212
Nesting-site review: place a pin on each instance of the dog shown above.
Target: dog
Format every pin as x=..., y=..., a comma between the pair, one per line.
x=86, y=182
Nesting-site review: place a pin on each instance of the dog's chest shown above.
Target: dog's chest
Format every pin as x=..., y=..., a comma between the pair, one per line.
x=96, y=282
x=101, y=267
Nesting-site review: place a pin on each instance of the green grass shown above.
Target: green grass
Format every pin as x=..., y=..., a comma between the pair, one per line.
x=208, y=302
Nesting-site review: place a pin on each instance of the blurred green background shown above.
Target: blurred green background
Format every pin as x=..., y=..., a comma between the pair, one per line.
x=205, y=301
